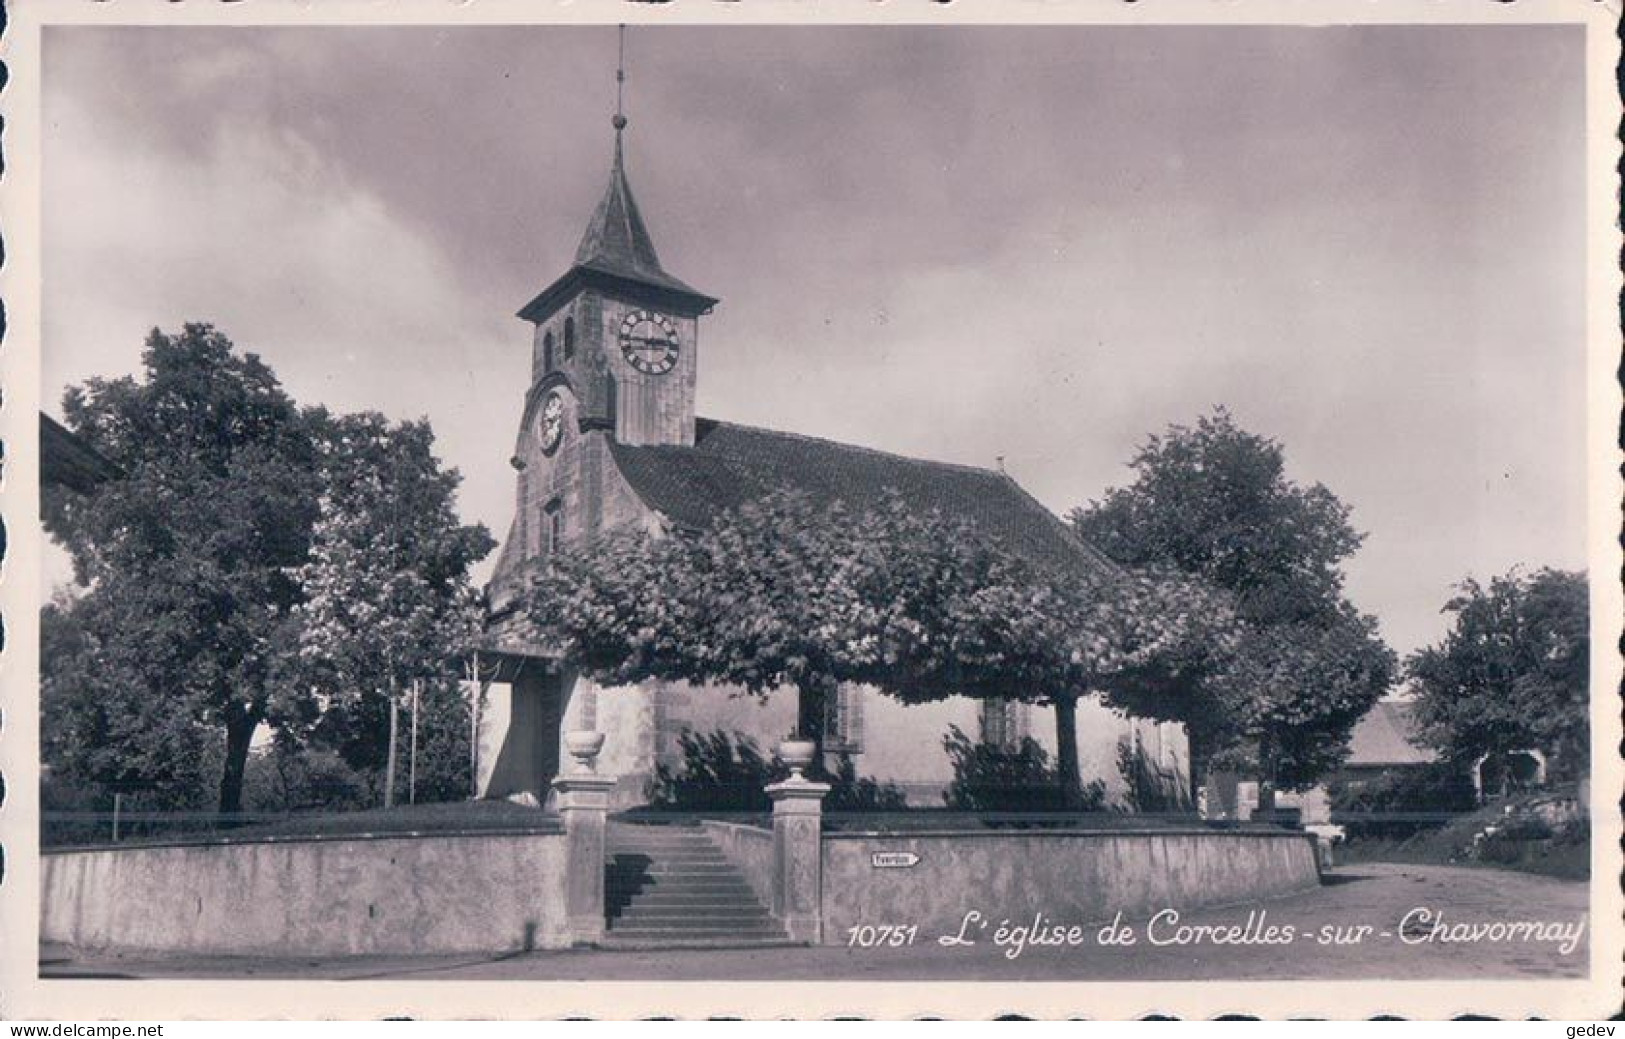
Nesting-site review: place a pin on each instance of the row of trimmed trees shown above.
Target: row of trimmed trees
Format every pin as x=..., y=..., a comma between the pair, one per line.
x=788, y=593
x=258, y=564
x=1226, y=612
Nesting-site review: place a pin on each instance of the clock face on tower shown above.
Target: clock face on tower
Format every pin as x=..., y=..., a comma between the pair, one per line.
x=551, y=425
x=649, y=342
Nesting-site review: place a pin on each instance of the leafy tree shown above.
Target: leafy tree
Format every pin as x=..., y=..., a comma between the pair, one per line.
x=187, y=555
x=769, y=596
x=100, y=723
x=387, y=601
x=1513, y=672
x=443, y=762
x=780, y=594
x=963, y=616
x=245, y=561
x=1298, y=690
x=1213, y=502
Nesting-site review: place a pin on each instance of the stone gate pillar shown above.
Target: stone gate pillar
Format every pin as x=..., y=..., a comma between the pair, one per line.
x=584, y=804
x=798, y=857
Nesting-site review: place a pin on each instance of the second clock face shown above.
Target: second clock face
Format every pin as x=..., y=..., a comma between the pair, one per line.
x=649, y=342
x=551, y=426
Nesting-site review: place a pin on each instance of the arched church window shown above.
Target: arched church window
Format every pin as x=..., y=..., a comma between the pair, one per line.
x=569, y=338
x=843, y=721
x=547, y=352
x=552, y=526
x=1002, y=722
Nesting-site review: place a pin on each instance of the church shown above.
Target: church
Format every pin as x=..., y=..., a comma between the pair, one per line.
x=608, y=437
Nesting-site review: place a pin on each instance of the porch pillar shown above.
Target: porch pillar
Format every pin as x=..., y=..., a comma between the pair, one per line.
x=584, y=804
x=798, y=857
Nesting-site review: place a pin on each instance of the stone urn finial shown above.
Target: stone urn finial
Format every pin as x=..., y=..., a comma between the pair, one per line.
x=584, y=746
x=797, y=752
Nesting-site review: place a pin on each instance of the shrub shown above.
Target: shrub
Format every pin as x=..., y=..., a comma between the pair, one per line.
x=1149, y=786
x=989, y=778
x=852, y=794
x=1524, y=832
x=1399, y=805
x=288, y=778
x=68, y=805
x=723, y=772
x=1511, y=840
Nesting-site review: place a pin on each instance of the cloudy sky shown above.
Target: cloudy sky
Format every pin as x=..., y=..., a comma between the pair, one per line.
x=1042, y=244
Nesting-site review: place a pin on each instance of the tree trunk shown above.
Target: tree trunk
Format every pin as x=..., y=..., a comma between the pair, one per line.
x=1066, y=749
x=1266, y=797
x=412, y=760
x=1266, y=778
x=812, y=706
x=389, y=761
x=1198, y=755
x=240, y=725
x=474, y=729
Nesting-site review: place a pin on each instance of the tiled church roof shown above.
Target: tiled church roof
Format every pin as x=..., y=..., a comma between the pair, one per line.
x=730, y=465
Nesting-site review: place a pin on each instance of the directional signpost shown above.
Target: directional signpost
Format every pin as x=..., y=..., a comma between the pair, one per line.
x=893, y=859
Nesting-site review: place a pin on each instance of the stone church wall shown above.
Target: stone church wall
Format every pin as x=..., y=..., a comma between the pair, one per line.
x=627, y=717
x=513, y=757
x=903, y=744
x=522, y=735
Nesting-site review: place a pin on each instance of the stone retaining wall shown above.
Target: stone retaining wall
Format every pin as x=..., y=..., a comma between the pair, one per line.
x=398, y=895
x=750, y=849
x=1071, y=877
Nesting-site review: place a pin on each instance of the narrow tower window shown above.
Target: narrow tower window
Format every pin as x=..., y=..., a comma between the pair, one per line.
x=547, y=352
x=552, y=526
x=526, y=530
x=569, y=338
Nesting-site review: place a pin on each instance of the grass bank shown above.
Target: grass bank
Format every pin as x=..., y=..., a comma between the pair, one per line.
x=1520, y=833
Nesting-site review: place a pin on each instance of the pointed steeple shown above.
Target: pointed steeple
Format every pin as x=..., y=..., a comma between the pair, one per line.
x=617, y=252
x=617, y=240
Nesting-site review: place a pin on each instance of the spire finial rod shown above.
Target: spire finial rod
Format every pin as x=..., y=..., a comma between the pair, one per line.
x=620, y=79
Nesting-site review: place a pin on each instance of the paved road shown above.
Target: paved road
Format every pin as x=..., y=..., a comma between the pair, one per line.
x=1377, y=896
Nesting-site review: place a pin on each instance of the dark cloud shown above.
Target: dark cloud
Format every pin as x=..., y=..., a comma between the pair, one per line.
x=1042, y=243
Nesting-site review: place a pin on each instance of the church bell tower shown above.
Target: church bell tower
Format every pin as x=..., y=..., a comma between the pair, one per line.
x=613, y=362
x=616, y=332
x=613, y=366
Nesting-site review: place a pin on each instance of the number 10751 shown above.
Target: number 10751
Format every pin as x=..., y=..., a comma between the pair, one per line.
x=869, y=936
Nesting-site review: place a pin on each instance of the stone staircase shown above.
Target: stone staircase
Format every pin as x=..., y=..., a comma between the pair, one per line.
x=669, y=886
